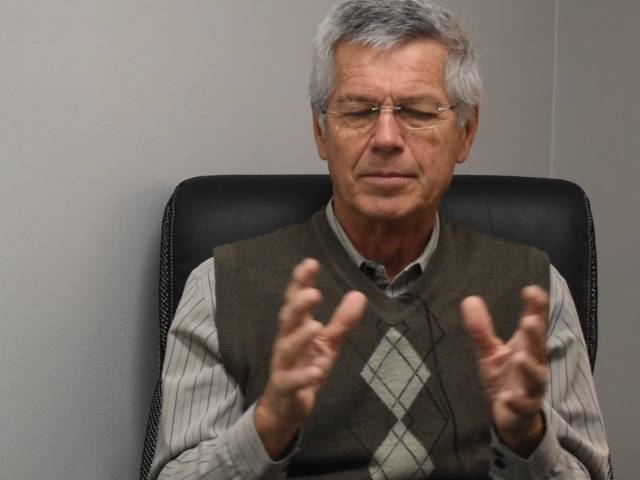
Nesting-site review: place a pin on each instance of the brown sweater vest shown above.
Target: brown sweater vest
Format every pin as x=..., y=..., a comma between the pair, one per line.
x=383, y=409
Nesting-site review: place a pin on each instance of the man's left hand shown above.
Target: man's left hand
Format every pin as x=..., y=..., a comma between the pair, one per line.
x=514, y=373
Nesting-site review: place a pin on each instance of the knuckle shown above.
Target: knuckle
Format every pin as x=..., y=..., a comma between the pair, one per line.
x=282, y=313
x=287, y=294
x=295, y=307
x=282, y=348
x=521, y=359
x=285, y=351
x=530, y=324
x=303, y=308
x=298, y=272
x=314, y=327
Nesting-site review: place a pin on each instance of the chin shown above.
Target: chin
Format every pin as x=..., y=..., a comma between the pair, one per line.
x=389, y=210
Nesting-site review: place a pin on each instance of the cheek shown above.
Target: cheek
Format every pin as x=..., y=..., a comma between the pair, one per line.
x=345, y=153
x=427, y=152
x=437, y=151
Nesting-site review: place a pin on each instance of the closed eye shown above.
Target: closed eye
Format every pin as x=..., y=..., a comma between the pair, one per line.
x=363, y=113
x=419, y=114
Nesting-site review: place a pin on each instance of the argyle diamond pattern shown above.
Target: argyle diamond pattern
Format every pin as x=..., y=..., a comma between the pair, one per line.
x=396, y=373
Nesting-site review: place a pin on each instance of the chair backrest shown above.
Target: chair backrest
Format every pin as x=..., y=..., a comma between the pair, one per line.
x=204, y=212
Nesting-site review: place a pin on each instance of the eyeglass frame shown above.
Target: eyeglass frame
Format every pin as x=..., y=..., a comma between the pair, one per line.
x=378, y=109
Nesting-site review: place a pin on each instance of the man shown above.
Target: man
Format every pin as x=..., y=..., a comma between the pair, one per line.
x=393, y=382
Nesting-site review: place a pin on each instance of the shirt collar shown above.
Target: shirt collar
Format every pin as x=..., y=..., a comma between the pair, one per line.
x=422, y=261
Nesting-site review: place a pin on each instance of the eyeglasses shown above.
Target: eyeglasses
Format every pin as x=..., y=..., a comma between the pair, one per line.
x=360, y=117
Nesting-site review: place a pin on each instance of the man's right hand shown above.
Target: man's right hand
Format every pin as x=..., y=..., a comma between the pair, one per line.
x=302, y=358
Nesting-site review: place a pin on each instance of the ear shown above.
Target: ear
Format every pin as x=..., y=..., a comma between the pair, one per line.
x=319, y=134
x=468, y=135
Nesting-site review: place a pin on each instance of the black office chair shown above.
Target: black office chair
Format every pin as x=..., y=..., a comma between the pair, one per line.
x=204, y=212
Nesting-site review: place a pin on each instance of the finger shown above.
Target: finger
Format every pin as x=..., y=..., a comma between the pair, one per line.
x=494, y=367
x=323, y=358
x=536, y=301
x=288, y=381
x=521, y=404
x=533, y=336
x=304, y=275
x=297, y=308
x=294, y=346
x=345, y=317
x=533, y=374
x=533, y=324
x=478, y=324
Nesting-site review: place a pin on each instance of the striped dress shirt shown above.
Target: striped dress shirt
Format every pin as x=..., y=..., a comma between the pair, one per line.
x=205, y=434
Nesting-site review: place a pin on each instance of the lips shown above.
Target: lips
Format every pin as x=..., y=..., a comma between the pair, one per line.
x=386, y=174
x=386, y=180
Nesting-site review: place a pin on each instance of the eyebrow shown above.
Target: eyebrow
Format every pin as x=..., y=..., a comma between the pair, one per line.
x=354, y=97
x=420, y=98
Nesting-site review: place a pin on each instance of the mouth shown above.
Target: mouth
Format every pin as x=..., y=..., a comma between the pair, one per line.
x=386, y=174
x=387, y=179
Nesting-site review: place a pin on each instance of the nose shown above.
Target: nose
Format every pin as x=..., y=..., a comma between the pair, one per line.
x=387, y=135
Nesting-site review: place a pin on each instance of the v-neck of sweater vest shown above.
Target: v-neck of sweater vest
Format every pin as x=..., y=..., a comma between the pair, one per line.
x=393, y=310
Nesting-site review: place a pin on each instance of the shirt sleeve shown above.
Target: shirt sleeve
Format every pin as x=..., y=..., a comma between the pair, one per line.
x=574, y=445
x=204, y=433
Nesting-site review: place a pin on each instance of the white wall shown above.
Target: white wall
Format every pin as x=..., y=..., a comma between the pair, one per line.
x=105, y=106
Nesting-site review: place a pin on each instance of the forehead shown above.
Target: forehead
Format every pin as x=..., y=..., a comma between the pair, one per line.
x=414, y=68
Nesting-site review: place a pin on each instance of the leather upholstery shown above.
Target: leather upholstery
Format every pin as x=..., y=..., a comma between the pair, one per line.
x=553, y=215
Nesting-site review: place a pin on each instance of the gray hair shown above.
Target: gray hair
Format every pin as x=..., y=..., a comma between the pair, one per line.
x=383, y=24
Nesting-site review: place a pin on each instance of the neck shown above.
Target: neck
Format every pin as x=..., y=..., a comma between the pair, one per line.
x=393, y=244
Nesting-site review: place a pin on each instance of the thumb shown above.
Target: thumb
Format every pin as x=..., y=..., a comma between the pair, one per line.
x=345, y=317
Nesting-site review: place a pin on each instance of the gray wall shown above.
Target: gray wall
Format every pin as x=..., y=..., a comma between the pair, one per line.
x=596, y=144
x=105, y=106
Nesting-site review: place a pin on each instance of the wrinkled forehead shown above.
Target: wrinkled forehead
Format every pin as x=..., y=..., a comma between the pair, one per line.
x=411, y=68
